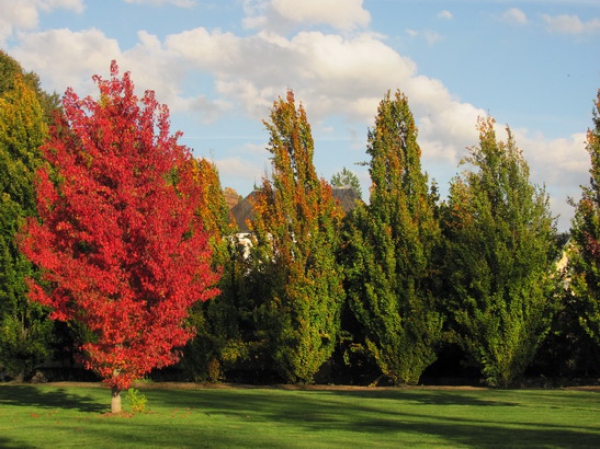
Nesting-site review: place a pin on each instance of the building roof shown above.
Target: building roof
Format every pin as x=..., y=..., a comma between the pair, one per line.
x=243, y=211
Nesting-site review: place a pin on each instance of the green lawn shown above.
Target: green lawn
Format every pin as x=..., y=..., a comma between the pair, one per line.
x=55, y=416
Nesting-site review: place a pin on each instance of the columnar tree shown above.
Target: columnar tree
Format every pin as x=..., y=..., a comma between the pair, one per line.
x=297, y=229
x=391, y=250
x=11, y=73
x=24, y=330
x=500, y=259
x=211, y=318
x=585, y=233
x=119, y=241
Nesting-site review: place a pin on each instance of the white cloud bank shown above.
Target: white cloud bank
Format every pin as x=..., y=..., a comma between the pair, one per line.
x=515, y=16
x=333, y=74
x=279, y=15
x=179, y=3
x=445, y=14
x=570, y=24
x=24, y=14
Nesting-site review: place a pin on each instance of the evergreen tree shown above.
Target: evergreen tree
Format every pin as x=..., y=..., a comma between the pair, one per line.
x=25, y=333
x=297, y=231
x=585, y=253
x=211, y=319
x=500, y=260
x=347, y=178
x=391, y=247
x=11, y=71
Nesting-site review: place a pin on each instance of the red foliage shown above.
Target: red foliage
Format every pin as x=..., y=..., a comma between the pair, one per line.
x=120, y=246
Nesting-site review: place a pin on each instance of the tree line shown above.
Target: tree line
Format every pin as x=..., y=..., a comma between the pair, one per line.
x=118, y=253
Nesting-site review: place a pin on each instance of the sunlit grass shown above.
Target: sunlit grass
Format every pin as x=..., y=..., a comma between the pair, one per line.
x=55, y=416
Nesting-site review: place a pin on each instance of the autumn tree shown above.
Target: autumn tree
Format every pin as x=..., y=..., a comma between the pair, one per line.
x=24, y=330
x=585, y=234
x=212, y=319
x=122, y=249
x=499, y=264
x=11, y=73
x=391, y=250
x=297, y=233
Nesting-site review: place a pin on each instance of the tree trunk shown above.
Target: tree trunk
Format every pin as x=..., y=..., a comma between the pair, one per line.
x=115, y=403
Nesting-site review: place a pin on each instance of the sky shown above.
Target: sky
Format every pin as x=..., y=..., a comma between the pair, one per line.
x=219, y=66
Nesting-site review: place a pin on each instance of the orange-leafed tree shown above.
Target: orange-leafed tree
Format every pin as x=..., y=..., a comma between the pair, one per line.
x=119, y=242
x=297, y=226
x=202, y=358
x=212, y=203
x=585, y=251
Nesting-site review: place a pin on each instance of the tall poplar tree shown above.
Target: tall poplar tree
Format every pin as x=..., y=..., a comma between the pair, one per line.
x=202, y=357
x=585, y=233
x=391, y=249
x=500, y=259
x=24, y=330
x=297, y=229
x=11, y=73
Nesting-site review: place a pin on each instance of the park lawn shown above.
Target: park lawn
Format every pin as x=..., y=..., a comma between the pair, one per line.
x=67, y=416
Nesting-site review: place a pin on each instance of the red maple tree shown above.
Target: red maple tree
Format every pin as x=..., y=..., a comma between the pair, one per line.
x=119, y=238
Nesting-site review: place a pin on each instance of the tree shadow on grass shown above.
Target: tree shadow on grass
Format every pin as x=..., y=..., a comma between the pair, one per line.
x=463, y=419
x=26, y=395
x=6, y=443
x=324, y=419
x=430, y=397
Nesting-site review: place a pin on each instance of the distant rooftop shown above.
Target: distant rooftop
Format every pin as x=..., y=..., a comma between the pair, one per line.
x=243, y=211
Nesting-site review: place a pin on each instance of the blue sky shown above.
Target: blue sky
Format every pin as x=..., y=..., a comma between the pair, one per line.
x=219, y=65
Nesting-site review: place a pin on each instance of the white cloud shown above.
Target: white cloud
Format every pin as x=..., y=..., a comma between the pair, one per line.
x=341, y=14
x=48, y=5
x=23, y=15
x=559, y=162
x=562, y=165
x=205, y=109
x=445, y=14
x=445, y=134
x=280, y=15
x=244, y=172
x=329, y=73
x=343, y=75
x=570, y=24
x=65, y=58
x=515, y=16
x=179, y=3
x=431, y=37
x=212, y=51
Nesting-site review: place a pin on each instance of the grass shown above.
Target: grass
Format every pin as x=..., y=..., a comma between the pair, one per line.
x=63, y=416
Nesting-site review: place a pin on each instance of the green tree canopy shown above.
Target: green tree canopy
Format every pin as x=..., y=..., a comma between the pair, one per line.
x=347, y=178
x=500, y=259
x=297, y=227
x=585, y=231
x=215, y=321
x=11, y=71
x=24, y=331
x=391, y=246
